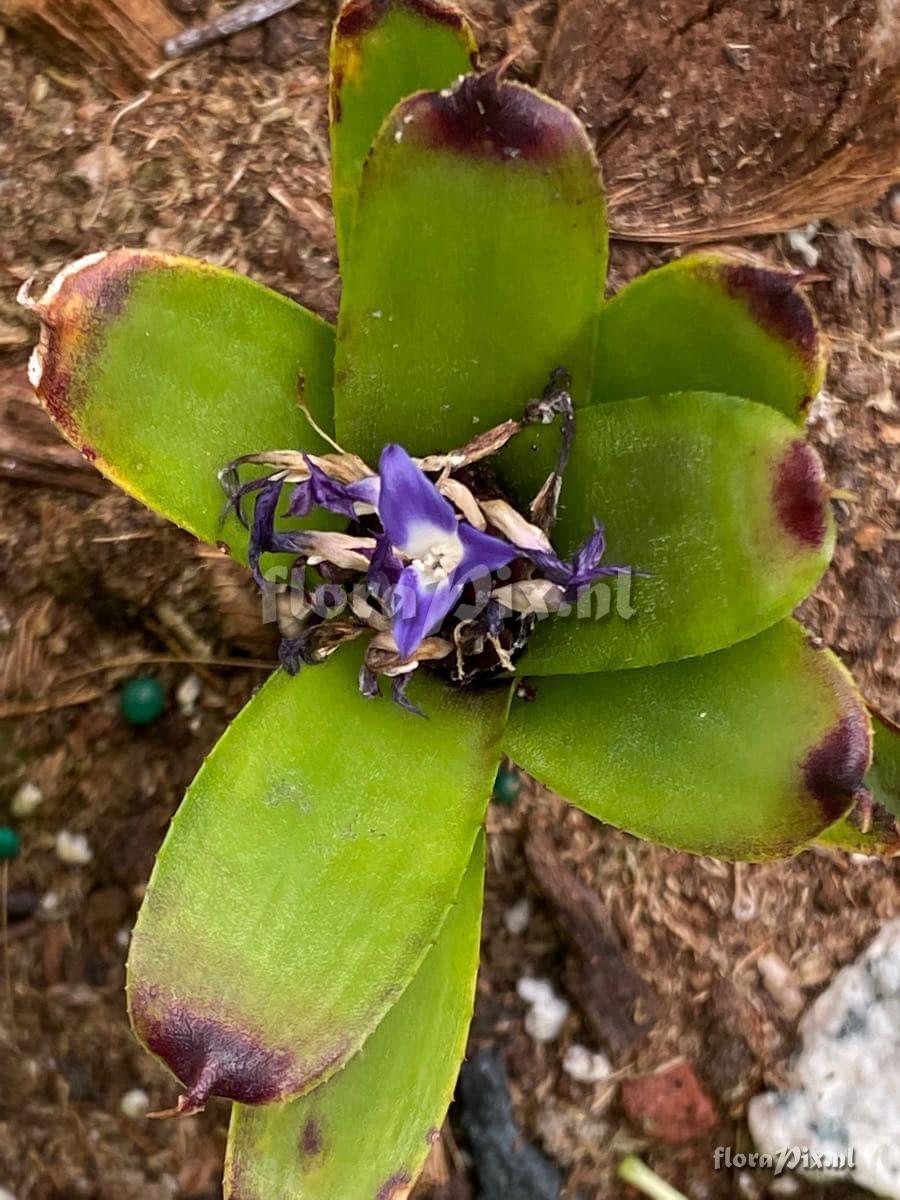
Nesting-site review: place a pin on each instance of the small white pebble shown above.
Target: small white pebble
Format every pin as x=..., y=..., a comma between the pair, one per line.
x=784, y=1185
x=517, y=916
x=801, y=242
x=27, y=800
x=585, y=1066
x=188, y=693
x=123, y=938
x=40, y=89
x=746, y=1183
x=134, y=1104
x=73, y=848
x=5, y=1195
x=49, y=904
x=781, y=983
x=547, y=1012
x=533, y=991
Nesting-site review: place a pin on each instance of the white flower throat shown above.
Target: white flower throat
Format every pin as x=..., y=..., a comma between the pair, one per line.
x=433, y=553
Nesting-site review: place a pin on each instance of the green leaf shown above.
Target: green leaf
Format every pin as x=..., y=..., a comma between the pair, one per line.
x=381, y=51
x=309, y=868
x=748, y=753
x=477, y=265
x=709, y=323
x=367, y=1132
x=717, y=499
x=161, y=369
x=873, y=825
x=883, y=779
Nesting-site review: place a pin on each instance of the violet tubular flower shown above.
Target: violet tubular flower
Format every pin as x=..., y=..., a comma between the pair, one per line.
x=441, y=554
x=437, y=571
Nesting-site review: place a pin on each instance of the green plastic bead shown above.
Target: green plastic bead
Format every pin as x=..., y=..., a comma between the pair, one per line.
x=507, y=786
x=142, y=700
x=9, y=842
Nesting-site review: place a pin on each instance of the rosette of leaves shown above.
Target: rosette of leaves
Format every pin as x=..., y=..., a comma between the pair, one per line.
x=308, y=943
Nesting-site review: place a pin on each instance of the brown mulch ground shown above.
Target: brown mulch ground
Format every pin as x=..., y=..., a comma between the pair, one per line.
x=226, y=158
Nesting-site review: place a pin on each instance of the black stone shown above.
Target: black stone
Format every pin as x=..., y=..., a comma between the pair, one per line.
x=507, y=1166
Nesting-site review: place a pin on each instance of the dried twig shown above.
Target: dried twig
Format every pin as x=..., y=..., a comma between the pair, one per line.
x=144, y=660
x=33, y=708
x=82, y=695
x=245, y=16
x=617, y=1004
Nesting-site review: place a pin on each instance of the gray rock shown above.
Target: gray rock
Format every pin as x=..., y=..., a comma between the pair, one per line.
x=507, y=1166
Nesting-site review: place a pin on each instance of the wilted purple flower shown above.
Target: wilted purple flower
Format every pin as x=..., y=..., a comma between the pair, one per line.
x=413, y=547
x=435, y=554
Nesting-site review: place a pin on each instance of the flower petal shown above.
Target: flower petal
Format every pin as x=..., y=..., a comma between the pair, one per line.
x=262, y=531
x=413, y=512
x=385, y=568
x=482, y=554
x=321, y=491
x=417, y=608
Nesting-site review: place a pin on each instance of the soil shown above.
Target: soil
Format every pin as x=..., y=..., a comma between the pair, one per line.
x=226, y=158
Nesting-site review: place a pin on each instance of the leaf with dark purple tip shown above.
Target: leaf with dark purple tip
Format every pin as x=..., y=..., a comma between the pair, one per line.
x=873, y=825
x=477, y=267
x=717, y=500
x=304, y=877
x=382, y=51
x=710, y=323
x=163, y=369
x=748, y=753
x=367, y=1131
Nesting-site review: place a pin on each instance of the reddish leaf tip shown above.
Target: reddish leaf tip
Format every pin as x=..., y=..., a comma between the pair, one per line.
x=212, y=1058
x=834, y=769
x=484, y=117
x=360, y=16
x=95, y=286
x=773, y=299
x=799, y=494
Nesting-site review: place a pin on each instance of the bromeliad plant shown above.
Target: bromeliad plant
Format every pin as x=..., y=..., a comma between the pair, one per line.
x=308, y=942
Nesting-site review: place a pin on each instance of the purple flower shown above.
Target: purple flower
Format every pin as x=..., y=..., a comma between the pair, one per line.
x=321, y=491
x=430, y=555
x=415, y=548
x=582, y=570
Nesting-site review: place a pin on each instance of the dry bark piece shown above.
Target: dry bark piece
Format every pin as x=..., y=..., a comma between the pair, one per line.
x=234, y=23
x=506, y=1163
x=670, y=1104
x=117, y=41
x=617, y=1004
x=731, y=118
